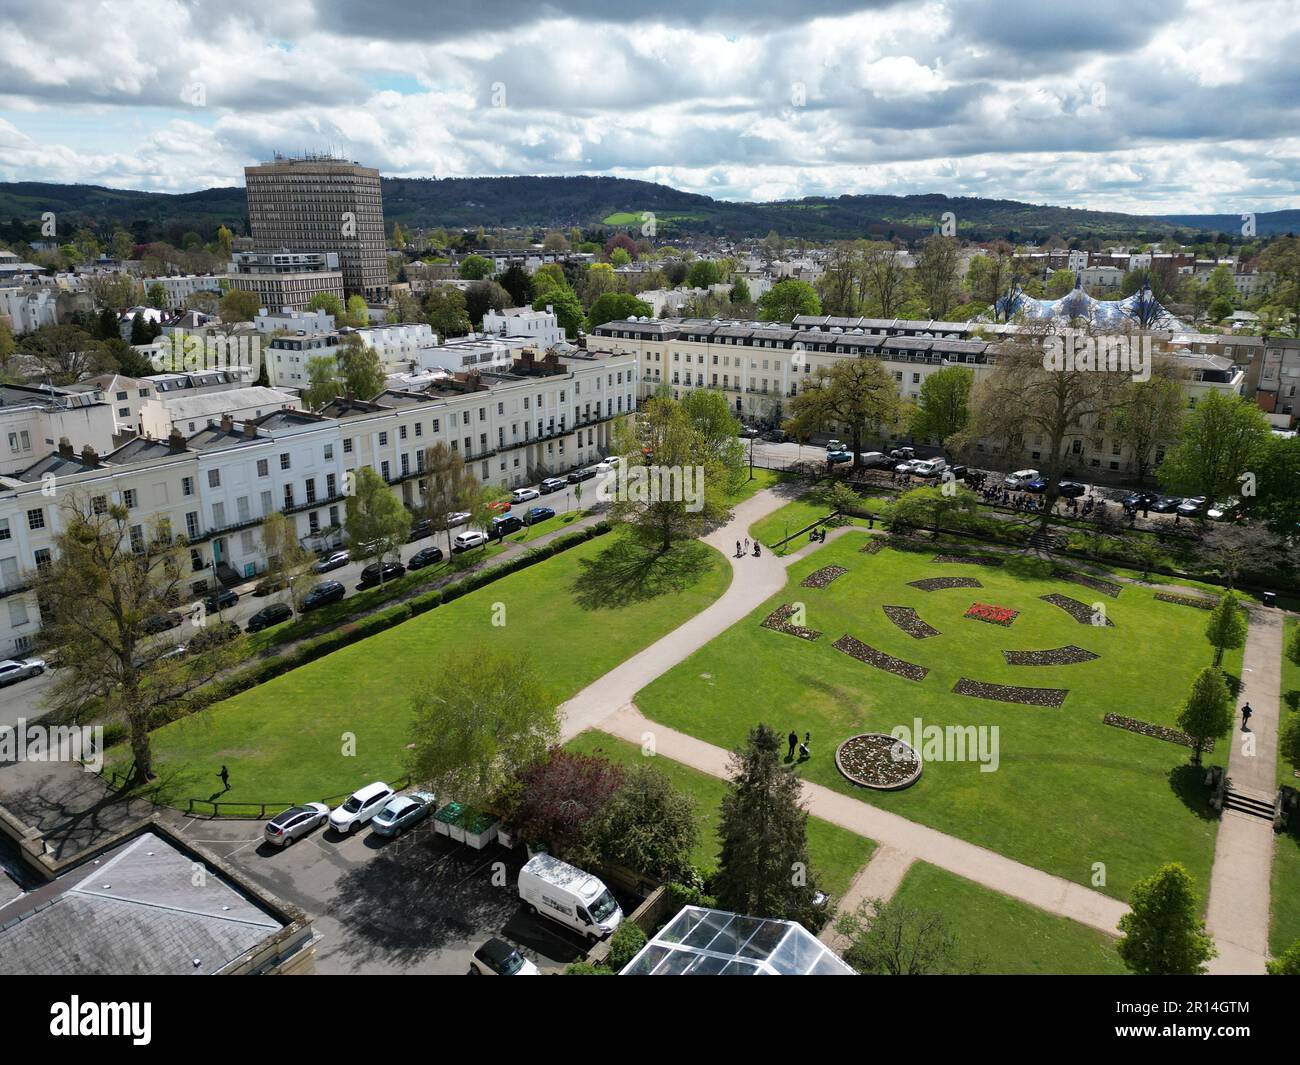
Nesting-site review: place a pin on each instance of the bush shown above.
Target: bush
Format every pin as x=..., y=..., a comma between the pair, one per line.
x=689, y=895
x=585, y=968
x=624, y=945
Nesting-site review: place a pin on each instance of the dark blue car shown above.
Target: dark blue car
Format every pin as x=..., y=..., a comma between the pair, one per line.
x=537, y=514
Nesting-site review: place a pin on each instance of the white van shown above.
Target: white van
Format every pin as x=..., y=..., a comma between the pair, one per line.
x=930, y=468
x=568, y=896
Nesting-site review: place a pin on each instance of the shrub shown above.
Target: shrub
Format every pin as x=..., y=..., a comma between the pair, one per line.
x=624, y=945
x=585, y=968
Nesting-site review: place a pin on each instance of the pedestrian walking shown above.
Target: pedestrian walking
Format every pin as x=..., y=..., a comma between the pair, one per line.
x=804, y=754
x=225, y=778
x=1246, y=711
x=737, y=548
x=794, y=742
x=747, y=545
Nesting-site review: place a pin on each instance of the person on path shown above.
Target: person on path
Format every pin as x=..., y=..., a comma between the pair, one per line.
x=804, y=753
x=225, y=778
x=737, y=548
x=794, y=742
x=747, y=545
x=1246, y=711
x=758, y=551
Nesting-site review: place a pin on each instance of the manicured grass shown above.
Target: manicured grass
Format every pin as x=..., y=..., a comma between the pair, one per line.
x=1068, y=792
x=1290, y=670
x=751, y=485
x=799, y=513
x=837, y=854
x=1285, y=924
x=1008, y=937
x=576, y=616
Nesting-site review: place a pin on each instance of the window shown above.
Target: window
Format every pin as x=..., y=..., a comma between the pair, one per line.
x=331, y=485
x=137, y=538
x=218, y=515
x=128, y=499
x=347, y=446
x=288, y=496
x=99, y=505
x=383, y=439
x=329, y=452
x=267, y=505
x=263, y=468
x=4, y=529
x=36, y=519
x=187, y=486
x=401, y=432
x=121, y=397
x=311, y=489
x=214, y=478
x=192, y=524
x=284, y=461
x=42, y=557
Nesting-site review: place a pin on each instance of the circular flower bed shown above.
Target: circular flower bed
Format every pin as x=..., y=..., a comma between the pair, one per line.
x=874, y=760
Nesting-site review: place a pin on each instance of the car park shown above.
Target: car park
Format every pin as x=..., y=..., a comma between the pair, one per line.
x=467, y=540
x=426, y=556
x=505, y=525
x=523, y=495
x=334, y=560
x=419, y=530
x=537, y=514
x=13, y=670
x=1190, y=508
x=569, y=896
x=322, y=595
x=402, y=812
x=219, y=600
x=581, y=475
x=553, y=484
x=360, y=807
x=294, y=823
x=1020, y=479
x=156, y=623
x=1167, y=504
x=836, y=457
x=496, y=957
x=268, y=616
x=380, y=572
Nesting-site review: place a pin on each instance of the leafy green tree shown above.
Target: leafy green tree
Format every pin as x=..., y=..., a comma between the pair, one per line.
x=1289, y=740
x=478, y=723
x=647, y=825
x=620, y=257
x=786, y=299
x=475, y=268
x=330, y=304
x=567, y=307
x=854, y=394
x=1277, y=501
x=942, y=410
x=1163, y=934
x=287, y=560
x=238, y=305
x=935, y=275
x=377, y=524
x=1061, y=283
x=322, y=381
x=894, y=939
x=931, y=504
x=763, y=866
x=740, y=292
x=615, y=306
x=360, y=368
x=157, y=296
x=357, y=314
x=448, y=485
x=1226, y=628
x=1287, y=963
x=484, y=296
x=702, y=273
x=1223, y=436
x=447, y=314
x=1207, y=713
x=1149, y=416
x=515, y=280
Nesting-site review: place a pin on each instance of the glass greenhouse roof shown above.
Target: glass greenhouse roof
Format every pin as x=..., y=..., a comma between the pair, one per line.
x=700, y=942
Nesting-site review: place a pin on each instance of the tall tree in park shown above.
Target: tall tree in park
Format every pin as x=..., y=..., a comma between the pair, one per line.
x=1207, y=713
x=377, y=524
x=322, y=381
x=238, y=306
x=838, y=284
x=932, y=505
x=855, y=394
x=1149, y=416
x=115, y=291
x=449, y=487
x=65, y=353
x=484, y=296
x=1277, y=501
x=359, y=367
x=1226, y=628
x=446, y=310
x=895, y=939
x=786, y=299
x=109, y=576
x=287, y=560
x=567, y=307
x=942, y=410
x=1163, y=934
x=1223, y=436
x=478, y=723
x=935, y=274
x=356, y=314
x=615, y=306
x=718, y=431
x=647, y=825
x=475, y=268
x=763, y=865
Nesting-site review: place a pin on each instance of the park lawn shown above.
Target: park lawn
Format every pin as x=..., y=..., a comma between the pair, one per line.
x=1290, y=670
x=1286, y=852
x=836, y=853
x=1006, y=936
x=799, y=513
x=1069, y=790
x=576, y=616
x=755, y=481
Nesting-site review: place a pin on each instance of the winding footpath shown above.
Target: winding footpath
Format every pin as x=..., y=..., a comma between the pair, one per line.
x=1239, y=893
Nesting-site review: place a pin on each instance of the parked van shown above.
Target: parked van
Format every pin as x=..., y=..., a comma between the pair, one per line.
x=929, y=468
x=568, y=896
x=871, y=459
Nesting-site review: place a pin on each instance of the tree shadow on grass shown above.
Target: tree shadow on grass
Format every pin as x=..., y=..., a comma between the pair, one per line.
x=1029, y=567
x=631, y=571
x=1187, y=781
x=1291, y=699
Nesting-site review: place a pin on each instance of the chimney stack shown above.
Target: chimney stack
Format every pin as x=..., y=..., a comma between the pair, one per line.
x=89, y=456
x=176, y=441
x=227, y=423
x=65, y=448
x=250, y=430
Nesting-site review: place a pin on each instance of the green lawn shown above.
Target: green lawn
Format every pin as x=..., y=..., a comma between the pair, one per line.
x=799, y=513
x=1286, y=854
x=1290, y=671
x=837, y=854
x=1069, y=791
x=577, y=616
x=751, y=485
x=1008, y=937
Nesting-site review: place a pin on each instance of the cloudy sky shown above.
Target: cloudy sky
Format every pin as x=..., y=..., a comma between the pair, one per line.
x=1151, y=106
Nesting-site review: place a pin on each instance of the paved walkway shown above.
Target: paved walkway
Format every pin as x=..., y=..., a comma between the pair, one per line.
x=1238, y=911
x=878, y=879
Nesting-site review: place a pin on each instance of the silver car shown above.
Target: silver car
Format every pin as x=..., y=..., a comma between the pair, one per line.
x=295, y=822
x=402, y=812
x=13, y=670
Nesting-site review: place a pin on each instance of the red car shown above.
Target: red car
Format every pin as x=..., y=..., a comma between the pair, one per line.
x=500, y=506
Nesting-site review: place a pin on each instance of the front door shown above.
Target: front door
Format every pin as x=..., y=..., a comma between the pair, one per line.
x=218, y=551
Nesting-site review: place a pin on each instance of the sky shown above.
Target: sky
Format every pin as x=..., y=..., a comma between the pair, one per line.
x=1145, y=106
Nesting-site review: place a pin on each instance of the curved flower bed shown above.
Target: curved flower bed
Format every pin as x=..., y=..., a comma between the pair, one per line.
x=1097, y=584
x=822, y=577
x=871, y=547
x=778, y=621
x=906, y=619
x=969, y=560
x=934, y=584
x=1187, y=600
x=863, y=653
x=1081, y=612
x=994, y=615
x=874, y=760
x=1008, y=693
x=1159, y=732
x=1057, y=656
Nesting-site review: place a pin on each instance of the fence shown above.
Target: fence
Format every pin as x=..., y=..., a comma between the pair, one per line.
x=199, y=807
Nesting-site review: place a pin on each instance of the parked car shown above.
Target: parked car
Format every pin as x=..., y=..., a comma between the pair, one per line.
x=505, y=525
x=536, y=514
x=268, y=616
x=568, y=896
x=426, y=556
x=748, y=432
x=582, y=475
x=1071, y=489
x=295, y=822
x=836, y=445
x=360, y=807
x=1224, y=511
x=523, y=495
x=553, y=484
x=874, y=459
x=906, y=466
x=13, y=670
x=419, y=530
x=156, y=623
x=900, y=453
x=496, y=957
x=403, y=811
x=929, y=467
x=958, y=472
x=467, y=540
x=774, y=436
x=604, y=466
x=457, y=517
x=1167, y=504
x=836, y=457
x=322, y=595
x=221, y=599
x=380, y=573
x=269, y=586
x=1139, y=500
x=1190, y=508
x=1020, y=479
x=213, y=634
x=334, y=560
x=499, y=506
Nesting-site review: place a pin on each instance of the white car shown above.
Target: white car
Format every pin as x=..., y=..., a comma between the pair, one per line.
x=836, y=445
x=907, y=466
x=13, y=670
x=1223, y=511
x=496, y=957
x=523, y=495
x=360, y=807
x=457, y=517
x=466, y=540
x=1020, y=478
